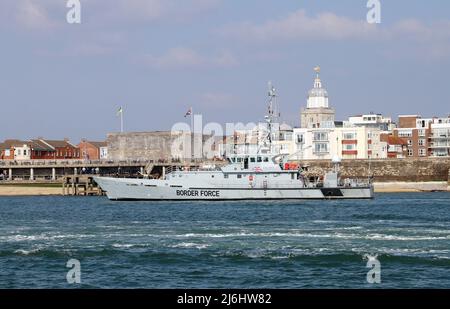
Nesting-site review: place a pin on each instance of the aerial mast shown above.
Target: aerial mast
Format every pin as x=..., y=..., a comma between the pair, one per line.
x=273, y=114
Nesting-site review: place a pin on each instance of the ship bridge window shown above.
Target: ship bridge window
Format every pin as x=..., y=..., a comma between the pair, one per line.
x=239, y=176
x=259, y=159
x=266, y=159
x=239, y=160
x=252, y=160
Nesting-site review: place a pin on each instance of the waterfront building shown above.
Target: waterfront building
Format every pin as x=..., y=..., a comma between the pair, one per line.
x=416, y=131
x=425, y=137
x=371, y=120
x=42, y=150
x=317, y=111
x=15, y=150
x=38, y=149
x=439, y=143
x=345, y=142
x=91, y=150
x=62, y=149
x=397, y=148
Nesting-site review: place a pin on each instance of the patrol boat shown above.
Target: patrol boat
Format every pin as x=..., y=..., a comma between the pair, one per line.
x=264, y=175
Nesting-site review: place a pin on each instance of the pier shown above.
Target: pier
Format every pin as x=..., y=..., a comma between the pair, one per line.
x=76, y=176
x=80, y=185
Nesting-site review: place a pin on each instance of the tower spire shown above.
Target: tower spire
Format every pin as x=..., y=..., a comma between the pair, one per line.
x=317, y=81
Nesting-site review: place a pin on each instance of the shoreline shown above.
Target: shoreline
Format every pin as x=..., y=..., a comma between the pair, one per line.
x=27, y=190
x=379, y=187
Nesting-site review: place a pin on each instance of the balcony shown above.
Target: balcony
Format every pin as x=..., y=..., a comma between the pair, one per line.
x=349, y=152
x=440, y=136
x=440, y=145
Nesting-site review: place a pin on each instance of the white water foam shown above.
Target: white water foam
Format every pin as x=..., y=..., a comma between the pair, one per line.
x=190, y=245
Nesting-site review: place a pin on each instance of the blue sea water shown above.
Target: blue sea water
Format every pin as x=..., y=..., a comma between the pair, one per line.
x=276, y=244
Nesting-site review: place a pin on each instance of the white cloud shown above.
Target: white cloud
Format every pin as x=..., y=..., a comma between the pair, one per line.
x=33, y=15
x=152, y=10
x=417, y=38
x=45, y=14
x=298, y=25
x=329, y=26
x=182, y=57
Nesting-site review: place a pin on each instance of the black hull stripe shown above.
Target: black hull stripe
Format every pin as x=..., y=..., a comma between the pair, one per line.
x=242, y=199
x=282, y=189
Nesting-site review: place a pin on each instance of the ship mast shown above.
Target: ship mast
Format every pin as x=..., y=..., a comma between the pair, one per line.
x=272, y=116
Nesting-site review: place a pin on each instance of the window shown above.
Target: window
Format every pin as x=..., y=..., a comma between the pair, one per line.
x=321, y=148
x=300, y=139
x=422, y=142
x=404, y=133
x=350, y=147
x=266, y=159
x=19, y=152
x=410, y=152
x=350, y=136
x=259, y=159
x=422, y=152
x=7, y=152
x=252, y=160
x=421, y=132
x=321, y=136
x=225, y=176
x=239, y=176
x=410, y=142
x=24, y=152
x=238, y=160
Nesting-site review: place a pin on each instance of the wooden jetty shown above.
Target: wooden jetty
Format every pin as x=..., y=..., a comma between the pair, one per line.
x=80, y=185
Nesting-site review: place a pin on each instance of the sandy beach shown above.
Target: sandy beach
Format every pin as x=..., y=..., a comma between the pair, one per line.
x=16, y=190
x=411, y=186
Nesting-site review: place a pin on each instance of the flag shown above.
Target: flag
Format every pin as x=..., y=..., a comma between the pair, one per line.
x=188, y=113
x=120, y=111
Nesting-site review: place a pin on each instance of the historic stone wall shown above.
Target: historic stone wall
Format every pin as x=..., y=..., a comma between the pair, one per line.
x=424, y=169
x=150, y=145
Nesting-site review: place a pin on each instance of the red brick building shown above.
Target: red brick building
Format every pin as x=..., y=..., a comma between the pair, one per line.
x=417, y=132
x=63, y=149
x=92, y=150
x=38, y=149
x=396, y=147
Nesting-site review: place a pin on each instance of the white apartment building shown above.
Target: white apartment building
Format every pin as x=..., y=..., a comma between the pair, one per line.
x=440, y=137
x=379, y=121
x=343, y=142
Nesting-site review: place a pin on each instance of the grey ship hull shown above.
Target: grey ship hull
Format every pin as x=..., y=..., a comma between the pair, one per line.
x=145, y=189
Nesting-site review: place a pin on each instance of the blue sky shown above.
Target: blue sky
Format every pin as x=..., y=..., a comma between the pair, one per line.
x=157, y=58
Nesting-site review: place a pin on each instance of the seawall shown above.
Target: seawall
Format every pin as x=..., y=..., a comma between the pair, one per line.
x=388, y=170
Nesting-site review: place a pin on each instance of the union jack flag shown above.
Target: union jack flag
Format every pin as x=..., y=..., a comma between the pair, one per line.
x=188, y=113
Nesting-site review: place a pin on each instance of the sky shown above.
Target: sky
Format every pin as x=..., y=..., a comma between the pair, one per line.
x=158, y=58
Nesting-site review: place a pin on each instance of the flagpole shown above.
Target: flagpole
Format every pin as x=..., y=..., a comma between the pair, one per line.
x=193, y=133
x=121, y=121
